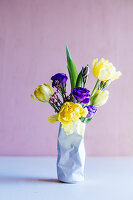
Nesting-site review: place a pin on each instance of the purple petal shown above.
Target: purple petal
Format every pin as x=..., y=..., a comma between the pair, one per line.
x=86, y=101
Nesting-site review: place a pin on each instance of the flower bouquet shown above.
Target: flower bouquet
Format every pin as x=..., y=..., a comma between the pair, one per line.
x=74, y=111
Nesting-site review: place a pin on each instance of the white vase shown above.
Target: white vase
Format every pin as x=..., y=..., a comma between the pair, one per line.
x=71, y=156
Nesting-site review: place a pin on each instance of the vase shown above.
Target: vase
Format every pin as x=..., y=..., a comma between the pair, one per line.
x=71, y=155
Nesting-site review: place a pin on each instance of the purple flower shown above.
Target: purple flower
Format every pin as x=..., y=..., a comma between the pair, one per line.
x=81, y=94
x=91, y=111
x=58, y=79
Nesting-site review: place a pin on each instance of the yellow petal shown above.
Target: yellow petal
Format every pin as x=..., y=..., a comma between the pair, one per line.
x=68, y=128
x=53, y=119
x=84, y=112
x=76, y=126
x=116, y=76
x=33, y=98
x=80, y=127
x=95, y=68
x=94, y=62
x=49, y=86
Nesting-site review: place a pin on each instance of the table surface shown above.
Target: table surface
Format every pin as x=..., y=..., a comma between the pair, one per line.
x=34, y=178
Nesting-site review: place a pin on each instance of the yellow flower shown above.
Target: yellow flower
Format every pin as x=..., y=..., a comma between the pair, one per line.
x=104, y=70
x=43, y=92
x=70, y=112
x=100, y=98
x=69, y=117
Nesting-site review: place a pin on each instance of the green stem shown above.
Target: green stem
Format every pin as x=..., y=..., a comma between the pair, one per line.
x=61, y=95
x=56, y=110
x=58, y=100
x=95, y=87
x=63, y=89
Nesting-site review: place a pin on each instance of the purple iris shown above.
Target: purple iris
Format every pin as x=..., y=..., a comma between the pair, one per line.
x=81, y=94
x=91, y=111
x=58, y=79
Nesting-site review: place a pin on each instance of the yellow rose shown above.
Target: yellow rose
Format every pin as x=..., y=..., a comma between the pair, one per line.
x=70, y=112
x=43, y=92
x=69, y=117
x=104, y=70
x=100, y=98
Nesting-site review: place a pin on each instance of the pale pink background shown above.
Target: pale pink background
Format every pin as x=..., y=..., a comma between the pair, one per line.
x=33, y=35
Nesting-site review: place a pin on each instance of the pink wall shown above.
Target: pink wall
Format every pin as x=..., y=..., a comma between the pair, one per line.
x=33, y=35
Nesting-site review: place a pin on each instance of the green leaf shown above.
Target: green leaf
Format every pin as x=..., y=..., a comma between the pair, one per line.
x=85, y=120
x=73, y=73
x=79, y=82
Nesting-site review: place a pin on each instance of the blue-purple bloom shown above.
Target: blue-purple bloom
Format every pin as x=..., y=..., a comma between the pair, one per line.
x=81, y=94
x=58, y=79
x=91, y=111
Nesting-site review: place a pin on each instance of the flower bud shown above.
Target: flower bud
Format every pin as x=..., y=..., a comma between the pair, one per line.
x=100, y=98
x=85, y=73
x=104, y=84
x=82, y=77
x=43, y=92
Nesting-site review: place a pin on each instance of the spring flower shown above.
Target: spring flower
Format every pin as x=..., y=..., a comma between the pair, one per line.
x=59, y=78
x=100, y=98
x=104, y=70
x=70, y=112
x=91, y=111
x=68, y=116
x=81, y=94
x=43, y=92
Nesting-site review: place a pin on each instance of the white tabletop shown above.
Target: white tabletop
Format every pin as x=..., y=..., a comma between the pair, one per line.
x=34, y=178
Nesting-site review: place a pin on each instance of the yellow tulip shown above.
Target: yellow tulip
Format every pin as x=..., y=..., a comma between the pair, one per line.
x=70, y=112
x=100, y=98
x=43, y=92
x=104, y=70
x=69, y=117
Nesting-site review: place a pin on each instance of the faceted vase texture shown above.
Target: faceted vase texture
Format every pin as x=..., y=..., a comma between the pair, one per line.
x=71, y=156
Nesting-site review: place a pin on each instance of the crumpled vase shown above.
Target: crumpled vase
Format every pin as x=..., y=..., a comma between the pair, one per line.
x=71, y=156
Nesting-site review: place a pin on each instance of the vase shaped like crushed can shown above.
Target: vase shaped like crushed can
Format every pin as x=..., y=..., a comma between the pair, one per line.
x=71, y=155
